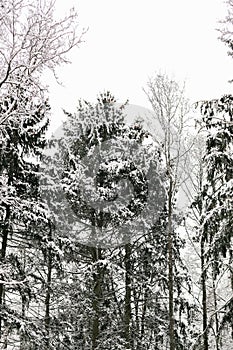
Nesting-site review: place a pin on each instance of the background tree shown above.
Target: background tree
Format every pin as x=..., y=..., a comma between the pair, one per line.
x=22, y=138
x=126, y=287
x=91, y=128
x=215, y=200
x=227, y=28
x=170, y=110
x=31, y=40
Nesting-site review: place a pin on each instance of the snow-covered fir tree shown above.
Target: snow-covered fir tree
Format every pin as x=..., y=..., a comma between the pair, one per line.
x=22, y=141
x=215, y=206
x=120, y=279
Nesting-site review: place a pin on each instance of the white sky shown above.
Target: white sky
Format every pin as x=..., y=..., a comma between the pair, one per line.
x=128, y=40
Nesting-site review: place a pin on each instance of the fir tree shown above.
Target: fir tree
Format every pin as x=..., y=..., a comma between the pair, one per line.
x=215, y=201
x=126, y=287
x=23, y=142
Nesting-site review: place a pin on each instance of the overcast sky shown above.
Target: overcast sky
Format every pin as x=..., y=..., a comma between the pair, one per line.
x=128, y=40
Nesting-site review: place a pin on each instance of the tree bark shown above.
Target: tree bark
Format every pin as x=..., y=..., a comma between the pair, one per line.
x=127, y=313
x=23, y=341
x=170, y=269
x=216, y=313
x=204, y=297
x=5, y=232
x=48, y=290
x=97, y=296
x=144, y=309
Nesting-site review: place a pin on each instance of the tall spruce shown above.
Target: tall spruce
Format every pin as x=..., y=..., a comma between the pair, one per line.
x=126, y=287
x=215, y=202
x=86, y=134
x=22, y=138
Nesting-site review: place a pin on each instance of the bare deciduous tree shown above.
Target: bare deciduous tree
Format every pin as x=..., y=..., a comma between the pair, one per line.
x=226, y=29
x=32, y=39
x=170, y=109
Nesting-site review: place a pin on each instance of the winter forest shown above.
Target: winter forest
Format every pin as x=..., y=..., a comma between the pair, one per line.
x=112, y=236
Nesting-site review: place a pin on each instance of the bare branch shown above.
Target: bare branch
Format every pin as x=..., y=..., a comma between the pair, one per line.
x=32, y=39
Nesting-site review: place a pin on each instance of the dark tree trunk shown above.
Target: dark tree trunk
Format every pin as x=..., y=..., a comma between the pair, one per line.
x=97, y=296
x=127, y=313
x=23, y=340
x=48, y=291
x=216, y=314
x=5, y=232
x=204, y=297
x=144, y=309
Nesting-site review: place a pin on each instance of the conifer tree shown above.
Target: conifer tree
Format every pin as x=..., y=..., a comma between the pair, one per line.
x=216, y=202
x=93, y=128
x=126, y=287
x=31, y=40
x=22, y=137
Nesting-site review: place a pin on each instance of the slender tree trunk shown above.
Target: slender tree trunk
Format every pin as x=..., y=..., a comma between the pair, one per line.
x=22, y=337
x=97, y=296
x=216, y=313
x=5, y=232
x=204, y=297
x=136, y=297
x=231, y=279
x=23, y=341
x=144, y=314
x=170, y=270
x=48, y=291
x=127, y=314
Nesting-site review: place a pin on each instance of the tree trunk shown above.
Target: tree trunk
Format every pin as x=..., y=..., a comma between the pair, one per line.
x=216, y=313
x=48, y=290
x=5, y=232
x=170, y=270
x=97, y=296
x=127, y=313
x=204, y=297
x=144, y=309
x=23, y=341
